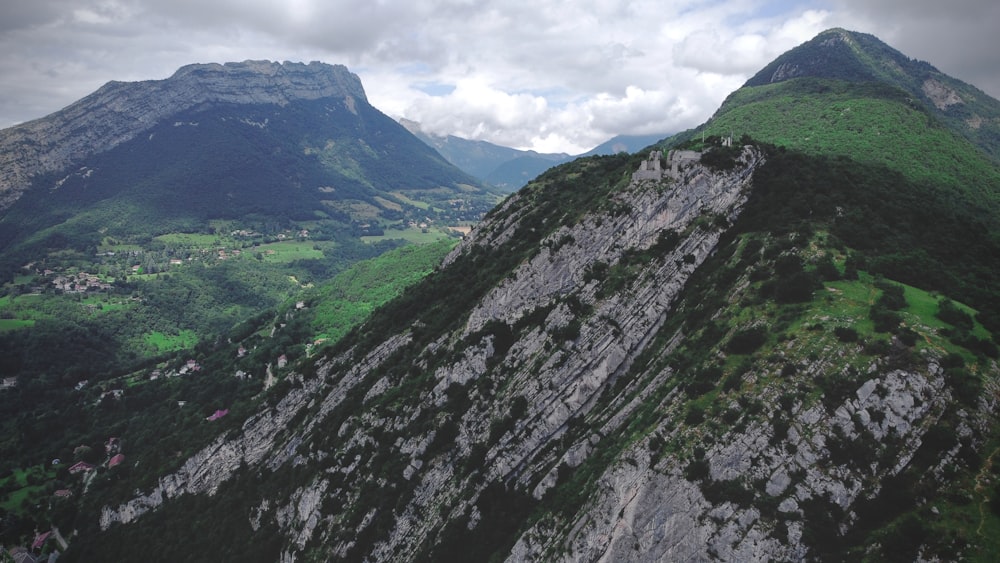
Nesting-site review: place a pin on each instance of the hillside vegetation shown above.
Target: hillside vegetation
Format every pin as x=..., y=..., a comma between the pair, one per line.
x=868, y=123
x=160, y=416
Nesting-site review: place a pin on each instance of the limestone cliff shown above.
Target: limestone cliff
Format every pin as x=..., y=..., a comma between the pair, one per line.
x=547, y=404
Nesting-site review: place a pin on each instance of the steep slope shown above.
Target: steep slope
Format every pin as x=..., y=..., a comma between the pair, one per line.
x=749, y=353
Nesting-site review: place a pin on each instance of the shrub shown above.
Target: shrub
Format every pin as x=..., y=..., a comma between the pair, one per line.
x=747, y=341
x=951, y=314
x=845, y=334
x=885, y=320
x=696, y=415
x=892, y=297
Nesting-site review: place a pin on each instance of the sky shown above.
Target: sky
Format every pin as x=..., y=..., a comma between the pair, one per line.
x=548, y=75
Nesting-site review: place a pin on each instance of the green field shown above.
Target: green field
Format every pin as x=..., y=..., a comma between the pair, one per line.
x=14, y=324
x=171, y=342
x=199, y=240
x=288, y=251
x=17, y=496
x=414, y=235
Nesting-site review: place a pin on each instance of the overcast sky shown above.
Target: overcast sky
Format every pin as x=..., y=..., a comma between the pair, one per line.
x=552, y=75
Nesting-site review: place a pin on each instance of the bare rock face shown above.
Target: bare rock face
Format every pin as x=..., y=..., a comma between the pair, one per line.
x=563, y=374
x=119, y=111
x=941, y=95
x=561, y=367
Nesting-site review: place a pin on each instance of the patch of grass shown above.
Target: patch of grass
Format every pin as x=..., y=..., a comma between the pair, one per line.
x=413, y=234
x=170, y=342
x=199, y=240
x=409, y=201
x=37, y=475
x=14, y=324
x=288, y=251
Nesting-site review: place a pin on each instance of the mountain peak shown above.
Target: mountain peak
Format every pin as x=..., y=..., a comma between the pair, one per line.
x=840, y=54
x=290, y=80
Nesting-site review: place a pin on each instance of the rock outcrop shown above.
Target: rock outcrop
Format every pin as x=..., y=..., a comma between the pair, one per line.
x=555, y=408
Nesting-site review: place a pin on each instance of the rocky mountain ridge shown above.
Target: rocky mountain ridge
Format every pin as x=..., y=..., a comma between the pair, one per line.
x=739, y=352
x=120, y=111
x=563, y=383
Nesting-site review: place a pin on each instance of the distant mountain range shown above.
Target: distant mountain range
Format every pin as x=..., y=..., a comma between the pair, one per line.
x=508, y=168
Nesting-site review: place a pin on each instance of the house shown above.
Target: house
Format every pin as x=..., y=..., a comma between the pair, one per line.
x=114, y=394
x=116, y=460
x=40, y=540
x=64, y=493
x=8, y=382
x=80, y=467
x=282, y=361
x=112, y=446
x=218, y=414
x=81, y=385
x=22, y=555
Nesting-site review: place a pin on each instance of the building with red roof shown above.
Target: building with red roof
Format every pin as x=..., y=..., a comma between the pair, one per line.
x=40, y=540
x=80, y=467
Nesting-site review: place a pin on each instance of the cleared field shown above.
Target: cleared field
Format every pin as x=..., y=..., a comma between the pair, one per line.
x=288, y=251
x=414, y=235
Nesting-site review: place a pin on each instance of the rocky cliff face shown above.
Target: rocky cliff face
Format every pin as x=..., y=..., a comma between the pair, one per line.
x=120, y=111
x=557, y=415
x=555, y=373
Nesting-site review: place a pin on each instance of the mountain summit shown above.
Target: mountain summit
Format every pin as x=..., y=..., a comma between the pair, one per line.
x=862, y=66
x=770, y=339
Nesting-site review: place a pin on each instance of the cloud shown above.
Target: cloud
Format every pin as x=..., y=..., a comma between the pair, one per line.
x=540, y=74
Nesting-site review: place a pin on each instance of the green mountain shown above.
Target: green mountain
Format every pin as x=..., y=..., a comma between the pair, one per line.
x=332, y=163
x=846, y=93
x=150, y=216
x=744, y=351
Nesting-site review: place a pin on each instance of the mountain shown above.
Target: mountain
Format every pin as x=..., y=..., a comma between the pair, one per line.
x=240, y=141
x=860, y=58
x=145, y=223
x=737, y=350
x=508, y=168
x=504, y=167
x=625, y=143
x=846, y=93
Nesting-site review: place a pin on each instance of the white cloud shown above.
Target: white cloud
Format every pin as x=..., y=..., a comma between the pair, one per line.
x=545, y=74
